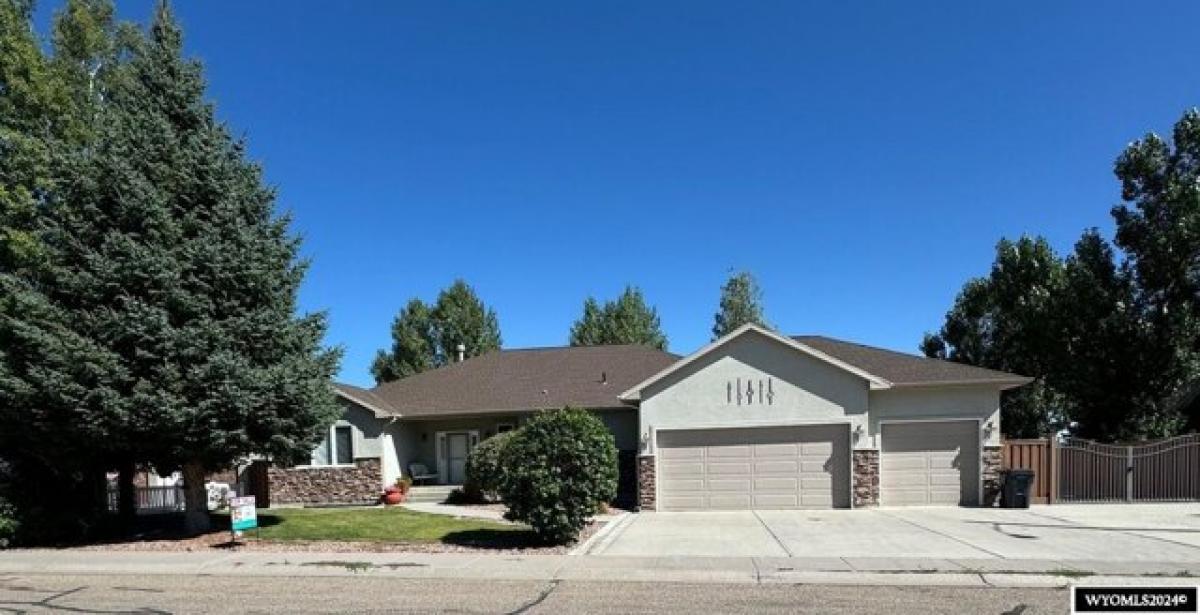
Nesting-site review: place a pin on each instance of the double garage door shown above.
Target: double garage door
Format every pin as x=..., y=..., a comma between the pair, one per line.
x=754, y=468
x=920, y=464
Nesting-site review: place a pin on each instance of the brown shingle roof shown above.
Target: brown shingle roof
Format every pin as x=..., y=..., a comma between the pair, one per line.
x=905, y=369
x=524, y=379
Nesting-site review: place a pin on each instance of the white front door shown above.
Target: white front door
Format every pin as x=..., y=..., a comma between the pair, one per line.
x=457, y=447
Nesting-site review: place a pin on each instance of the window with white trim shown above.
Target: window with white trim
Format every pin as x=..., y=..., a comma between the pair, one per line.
x=337, y=449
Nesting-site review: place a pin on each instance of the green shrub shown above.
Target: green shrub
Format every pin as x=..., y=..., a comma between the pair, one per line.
x=557, y=468
x=8, y=523
x=484, y=471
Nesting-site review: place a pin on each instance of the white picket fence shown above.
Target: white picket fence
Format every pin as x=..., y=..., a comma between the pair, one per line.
x=151, y=500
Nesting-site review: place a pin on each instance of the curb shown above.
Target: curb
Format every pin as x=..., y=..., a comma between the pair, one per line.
x=609, y=529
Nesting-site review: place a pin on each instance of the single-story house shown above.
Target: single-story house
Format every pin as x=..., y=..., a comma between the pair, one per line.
x=754, y=420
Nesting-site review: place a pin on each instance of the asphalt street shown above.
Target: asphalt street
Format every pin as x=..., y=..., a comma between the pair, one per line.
x=37, y=593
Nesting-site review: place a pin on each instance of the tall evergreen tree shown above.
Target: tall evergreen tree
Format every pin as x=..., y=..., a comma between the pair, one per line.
x=171, y=273
x=51, y=431
x=741, y=303
x=427, y=336
x=626, y=320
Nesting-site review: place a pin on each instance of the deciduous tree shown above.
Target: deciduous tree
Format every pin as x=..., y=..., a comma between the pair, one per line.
x=626, y=320
x=427, y=336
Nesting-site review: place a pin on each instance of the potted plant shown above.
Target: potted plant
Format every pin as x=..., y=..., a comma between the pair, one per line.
x=397, y=493
x=392, y=496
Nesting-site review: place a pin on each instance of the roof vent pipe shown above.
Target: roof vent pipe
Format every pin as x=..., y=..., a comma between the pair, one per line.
x=603, y=377
x=461, y=351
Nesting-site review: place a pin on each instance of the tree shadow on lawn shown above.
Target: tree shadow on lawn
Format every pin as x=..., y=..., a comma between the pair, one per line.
x=495, y=539
x=162, y=527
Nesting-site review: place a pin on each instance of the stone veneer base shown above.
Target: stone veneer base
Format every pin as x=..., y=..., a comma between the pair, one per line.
x=646, y=482
x=991, y=460
x=866, y=478
x=361, y=483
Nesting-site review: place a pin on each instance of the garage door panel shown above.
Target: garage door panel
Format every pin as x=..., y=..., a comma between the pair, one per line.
x=780, y=501
x=929, y=463
x=729, y=469
x=683, y=502
x=789, y=467
x=736, y=452
x=743, y=468
x=789, y=484
x=736, y=485
x=718, y=501
x=764, y=451
x=682, y=454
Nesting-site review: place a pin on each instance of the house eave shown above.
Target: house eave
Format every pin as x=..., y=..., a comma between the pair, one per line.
x=634, y=393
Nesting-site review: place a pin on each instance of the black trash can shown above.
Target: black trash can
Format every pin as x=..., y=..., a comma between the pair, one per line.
x=1014, y=492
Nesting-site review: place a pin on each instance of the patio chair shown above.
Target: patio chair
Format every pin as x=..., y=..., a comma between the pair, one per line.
x=418, y=472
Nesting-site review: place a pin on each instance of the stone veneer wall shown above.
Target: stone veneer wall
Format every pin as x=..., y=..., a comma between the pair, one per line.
x=991, y=475
x=361, y=483
x=646, y=483
x=866, y=478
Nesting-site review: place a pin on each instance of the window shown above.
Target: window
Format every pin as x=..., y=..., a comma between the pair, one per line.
x=336, y=449
x=504, y=427
x=343, y=447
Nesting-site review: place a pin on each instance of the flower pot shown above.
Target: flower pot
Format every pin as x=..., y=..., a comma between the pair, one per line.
x=392, y=498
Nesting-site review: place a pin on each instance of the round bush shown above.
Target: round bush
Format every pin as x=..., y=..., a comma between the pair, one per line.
x=557, y=469
x=8, y=523
x=483, y=466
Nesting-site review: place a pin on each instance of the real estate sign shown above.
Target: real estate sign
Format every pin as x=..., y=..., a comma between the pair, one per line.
x=242, y=513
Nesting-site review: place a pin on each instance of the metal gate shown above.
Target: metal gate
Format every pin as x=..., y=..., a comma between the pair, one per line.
x=1163, y=471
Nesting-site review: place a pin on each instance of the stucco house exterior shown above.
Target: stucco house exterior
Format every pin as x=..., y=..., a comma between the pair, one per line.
x=754, y=420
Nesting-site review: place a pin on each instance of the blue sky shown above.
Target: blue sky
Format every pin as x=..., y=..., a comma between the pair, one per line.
x=861, y=159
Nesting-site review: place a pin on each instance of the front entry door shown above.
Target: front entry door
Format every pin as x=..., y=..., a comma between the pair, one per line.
x=457, y=447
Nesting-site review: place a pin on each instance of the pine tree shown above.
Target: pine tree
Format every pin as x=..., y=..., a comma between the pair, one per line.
x=53, y=381
x=172, y=274
x=626, y=320
x=741, y=303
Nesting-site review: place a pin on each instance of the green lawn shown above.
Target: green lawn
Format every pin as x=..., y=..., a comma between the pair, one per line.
x=381, y=525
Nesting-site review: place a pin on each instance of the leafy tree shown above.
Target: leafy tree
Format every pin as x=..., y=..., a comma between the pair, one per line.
x=1105, y=367
x=741, y=303
x=1158, y=228
x=165, y=324
x=413, y=344
x=427, y=336
x=462, y=319
x=557, y=469
x=1113, y=342
x=1003, y=322
x=627, y=320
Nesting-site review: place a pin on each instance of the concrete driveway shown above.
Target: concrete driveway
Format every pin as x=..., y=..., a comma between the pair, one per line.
x=1133, y=532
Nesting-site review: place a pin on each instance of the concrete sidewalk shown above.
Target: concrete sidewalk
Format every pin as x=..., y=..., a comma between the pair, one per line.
x=757, y=570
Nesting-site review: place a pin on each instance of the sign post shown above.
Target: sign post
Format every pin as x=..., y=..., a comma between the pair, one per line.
x=242, y=515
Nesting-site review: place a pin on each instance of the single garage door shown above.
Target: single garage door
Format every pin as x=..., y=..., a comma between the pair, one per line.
x=748, y=468
x=929, y=463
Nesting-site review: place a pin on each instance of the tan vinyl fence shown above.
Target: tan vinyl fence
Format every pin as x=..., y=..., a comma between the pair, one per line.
x=1078, y=470
x=1030, y=455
